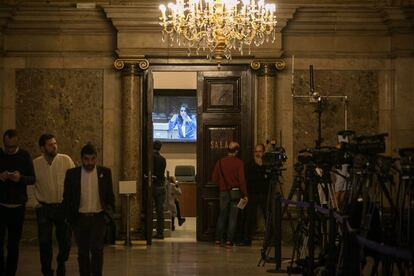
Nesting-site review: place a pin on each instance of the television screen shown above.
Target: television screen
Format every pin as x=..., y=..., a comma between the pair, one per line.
x=174, y=115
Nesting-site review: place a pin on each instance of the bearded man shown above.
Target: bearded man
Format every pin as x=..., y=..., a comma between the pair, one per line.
x=50, y=169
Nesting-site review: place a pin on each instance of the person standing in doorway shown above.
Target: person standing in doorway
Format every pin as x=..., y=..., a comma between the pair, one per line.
x=172, y=202
x=50, y=169
x=228, y=174
x=88, y=198
x=257, y=187
x=16, y=172
x=158, y=191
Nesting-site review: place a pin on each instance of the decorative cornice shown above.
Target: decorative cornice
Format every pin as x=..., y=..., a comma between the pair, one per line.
x=55, y=19
x=121, y=64
x=268, y=67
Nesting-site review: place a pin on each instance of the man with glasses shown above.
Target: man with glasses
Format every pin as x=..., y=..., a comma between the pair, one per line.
x=16, y=172
x=257, y=187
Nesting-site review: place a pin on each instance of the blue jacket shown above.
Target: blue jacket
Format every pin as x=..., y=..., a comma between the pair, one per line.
x=190, y=128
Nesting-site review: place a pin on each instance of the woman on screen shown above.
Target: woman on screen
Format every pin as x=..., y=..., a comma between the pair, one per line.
x=185, y=123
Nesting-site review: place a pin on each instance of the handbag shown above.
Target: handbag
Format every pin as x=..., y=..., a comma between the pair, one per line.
x=234, y=193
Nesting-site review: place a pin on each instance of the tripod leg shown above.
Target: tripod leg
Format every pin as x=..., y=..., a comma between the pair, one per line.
x=268, y=229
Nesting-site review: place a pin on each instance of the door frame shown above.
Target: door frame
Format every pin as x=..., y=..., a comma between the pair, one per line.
x=148, y=134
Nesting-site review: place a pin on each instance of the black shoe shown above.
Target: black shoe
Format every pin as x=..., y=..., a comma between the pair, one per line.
x=173, y=227
x=158, y=237
x=181, y=221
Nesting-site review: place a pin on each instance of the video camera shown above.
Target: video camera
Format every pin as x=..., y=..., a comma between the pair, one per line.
x=274, y=159
x=320, y=157
x=366, y=145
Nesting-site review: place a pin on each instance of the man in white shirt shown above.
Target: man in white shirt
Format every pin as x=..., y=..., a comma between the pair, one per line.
x=50, y=169
x=88, y=199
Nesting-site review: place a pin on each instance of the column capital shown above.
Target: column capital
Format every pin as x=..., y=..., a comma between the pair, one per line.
x=131, y=66
x=268, y=67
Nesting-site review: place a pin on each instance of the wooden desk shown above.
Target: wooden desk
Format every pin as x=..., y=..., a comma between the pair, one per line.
x=188, y=199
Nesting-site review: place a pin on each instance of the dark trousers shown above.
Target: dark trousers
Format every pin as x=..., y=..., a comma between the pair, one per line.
x=255, y=201
x=11, y=219
x=177, y=206
x=50, y=215
x=89, y=234
x=227, y=217
x=159, y=199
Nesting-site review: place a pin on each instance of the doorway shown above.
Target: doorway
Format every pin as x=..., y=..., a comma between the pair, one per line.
x=224, y=112
x=174, y=122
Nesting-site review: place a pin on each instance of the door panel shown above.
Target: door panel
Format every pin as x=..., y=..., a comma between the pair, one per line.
x=225, y=108
x=147, y=202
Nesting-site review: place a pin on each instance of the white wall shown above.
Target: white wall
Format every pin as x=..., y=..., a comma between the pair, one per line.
x=175, y=80
x=179, y=154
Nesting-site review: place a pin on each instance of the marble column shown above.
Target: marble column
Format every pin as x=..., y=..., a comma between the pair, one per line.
x=131, y=138
x=266, y=99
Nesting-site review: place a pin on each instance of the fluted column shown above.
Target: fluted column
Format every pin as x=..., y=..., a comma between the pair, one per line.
x=131, y=130
x=266, y=98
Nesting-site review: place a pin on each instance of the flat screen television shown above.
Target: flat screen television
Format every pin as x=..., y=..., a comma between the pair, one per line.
x=174, y=115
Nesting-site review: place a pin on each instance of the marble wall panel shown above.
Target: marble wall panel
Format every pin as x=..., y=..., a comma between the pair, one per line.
x=362, y=90
x=65, y=102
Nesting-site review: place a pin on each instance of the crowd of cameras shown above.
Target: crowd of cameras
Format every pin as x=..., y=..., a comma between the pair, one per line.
x=366, y=145
x=346, y=153
x=366, y=159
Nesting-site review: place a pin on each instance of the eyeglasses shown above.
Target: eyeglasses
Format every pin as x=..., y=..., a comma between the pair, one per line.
x=182, y=110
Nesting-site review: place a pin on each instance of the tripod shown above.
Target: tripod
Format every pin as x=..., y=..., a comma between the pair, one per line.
x=405, y=198
x=270, y=230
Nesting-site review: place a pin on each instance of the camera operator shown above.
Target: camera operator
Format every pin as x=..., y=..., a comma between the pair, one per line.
x=257, y=186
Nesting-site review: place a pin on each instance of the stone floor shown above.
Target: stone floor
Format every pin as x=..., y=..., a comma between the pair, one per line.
x=178, y=255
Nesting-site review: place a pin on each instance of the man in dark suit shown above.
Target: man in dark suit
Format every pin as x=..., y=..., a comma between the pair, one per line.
x=88, y=197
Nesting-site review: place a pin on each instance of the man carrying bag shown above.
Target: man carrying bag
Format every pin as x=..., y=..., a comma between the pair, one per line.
x=228, y=174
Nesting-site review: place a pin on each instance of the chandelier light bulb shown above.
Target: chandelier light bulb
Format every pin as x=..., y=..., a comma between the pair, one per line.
x=171, y=6
x=163, y=9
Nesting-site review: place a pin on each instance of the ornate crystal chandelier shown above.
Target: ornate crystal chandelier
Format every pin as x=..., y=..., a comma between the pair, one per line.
x=218, y=26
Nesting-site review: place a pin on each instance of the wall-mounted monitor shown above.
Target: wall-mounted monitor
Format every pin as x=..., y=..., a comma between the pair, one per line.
x=174, y=115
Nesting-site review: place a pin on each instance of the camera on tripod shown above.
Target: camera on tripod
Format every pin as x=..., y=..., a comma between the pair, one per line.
x=273, y=160
x=366, y=144
x=319, y=157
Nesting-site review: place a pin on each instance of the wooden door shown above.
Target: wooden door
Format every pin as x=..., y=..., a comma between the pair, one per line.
x=147, y=202
x=225, y=105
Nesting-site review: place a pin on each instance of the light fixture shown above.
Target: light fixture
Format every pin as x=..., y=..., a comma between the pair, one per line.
x=218, y=26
